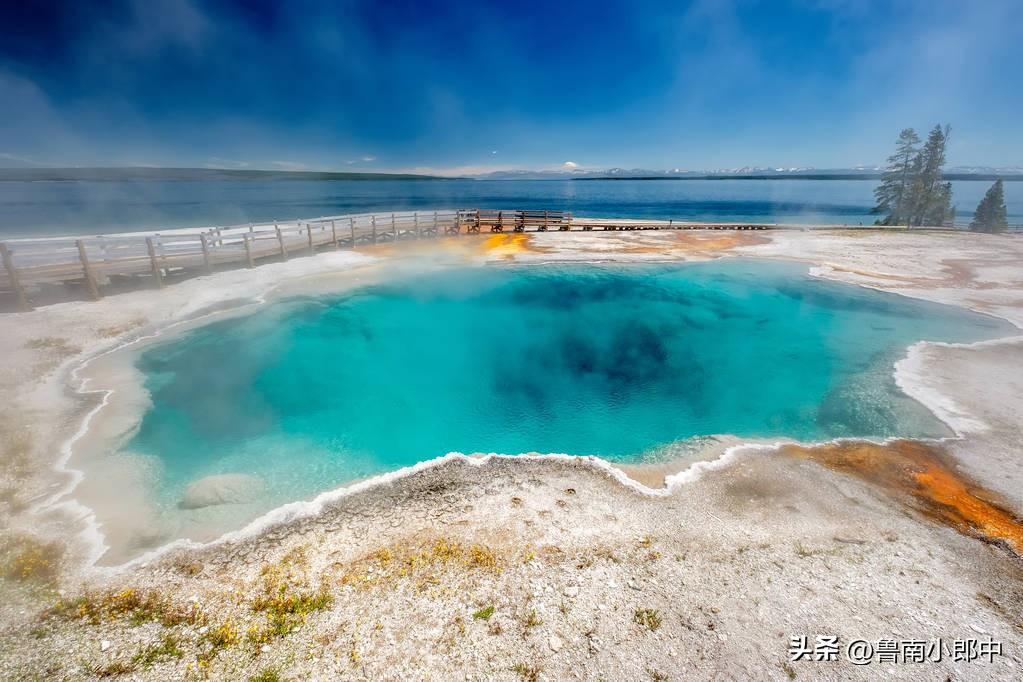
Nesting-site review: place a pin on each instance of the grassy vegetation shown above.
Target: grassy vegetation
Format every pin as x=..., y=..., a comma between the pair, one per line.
x=168, y=647
x=27, y=559
x=286, y=598
x=214, y=640
x=648, y=618
x=113, y=669
x=266, y=675
x=136, y=606
x=530, y=673
x=531, y=620
x=419, y=562
x=485, y=613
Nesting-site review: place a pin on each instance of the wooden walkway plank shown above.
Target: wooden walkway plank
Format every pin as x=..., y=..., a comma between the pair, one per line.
x=54, y=262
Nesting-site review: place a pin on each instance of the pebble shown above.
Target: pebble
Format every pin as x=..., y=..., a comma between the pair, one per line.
x=204, y=629
x=572, y=591
x=265, y=648
x=555, y=643
x=633, y=585
x=104, y=645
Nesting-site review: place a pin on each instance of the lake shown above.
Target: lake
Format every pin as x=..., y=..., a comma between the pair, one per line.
x=80, y=207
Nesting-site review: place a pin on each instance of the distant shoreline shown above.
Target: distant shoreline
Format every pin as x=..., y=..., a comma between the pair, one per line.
x=821, y=176
x=135, y=174
x=186, y=174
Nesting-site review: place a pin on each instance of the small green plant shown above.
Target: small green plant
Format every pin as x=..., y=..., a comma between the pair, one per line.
x=648, y=618
x=167, y=647
x=531, y=620
x=137, y=606
x=222, y=636
x=284, y=600
x=485, y=613
x=266, y=675
x=113, y=669
x=31, y=560
x=530, y=673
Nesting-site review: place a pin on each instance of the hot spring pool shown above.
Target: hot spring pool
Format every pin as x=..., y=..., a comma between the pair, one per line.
x=624, y=362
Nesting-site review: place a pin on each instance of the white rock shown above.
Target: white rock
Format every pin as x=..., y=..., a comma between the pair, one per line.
x=265, y=648
x=555, y=643
x=204, y=629
x=104, y=645
x=221, y=489
x=572, y=591
x=633, y=585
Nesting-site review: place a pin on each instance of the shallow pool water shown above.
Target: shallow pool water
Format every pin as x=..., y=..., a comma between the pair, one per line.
x=624, y=362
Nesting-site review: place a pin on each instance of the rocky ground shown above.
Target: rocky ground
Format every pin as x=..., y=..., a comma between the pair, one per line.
x=545, y=568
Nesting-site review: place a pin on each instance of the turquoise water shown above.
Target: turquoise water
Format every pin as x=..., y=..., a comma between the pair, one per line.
x=624, y=362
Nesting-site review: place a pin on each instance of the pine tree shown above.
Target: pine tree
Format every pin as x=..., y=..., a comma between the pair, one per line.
x=931, y=200
x=990, y=215
x=893, y=192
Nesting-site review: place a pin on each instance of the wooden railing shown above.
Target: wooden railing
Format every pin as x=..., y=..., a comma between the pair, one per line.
x=97, y=264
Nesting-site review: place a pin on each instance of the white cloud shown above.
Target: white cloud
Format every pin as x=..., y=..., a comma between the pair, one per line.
x=451, y=171
x=217, y=162
x=570, y=165
x=367, y=159
x=289, y=165
x=21, y=160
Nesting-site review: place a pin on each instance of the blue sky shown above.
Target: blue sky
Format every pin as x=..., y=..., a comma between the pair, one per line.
x=473, y=86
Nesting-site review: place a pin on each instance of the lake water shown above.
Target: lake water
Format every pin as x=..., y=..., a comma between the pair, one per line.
x=37, y=208
x=624, y=362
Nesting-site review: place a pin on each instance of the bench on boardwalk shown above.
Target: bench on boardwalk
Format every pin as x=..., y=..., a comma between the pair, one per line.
x=541, y=221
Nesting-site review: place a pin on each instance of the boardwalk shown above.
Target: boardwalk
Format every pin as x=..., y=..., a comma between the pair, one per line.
x=63, y=266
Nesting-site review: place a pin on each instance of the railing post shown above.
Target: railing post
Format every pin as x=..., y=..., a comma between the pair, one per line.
x=90, y=280
x=351, y=224
x=247, y=240
x=280, y=241
x=415, y=223
x=154, y=265
x=309, y=234
x=333, y=234
x=205, y=254
x=436, y=228
x=12, y=274
x=373, y=221
x=394, y=229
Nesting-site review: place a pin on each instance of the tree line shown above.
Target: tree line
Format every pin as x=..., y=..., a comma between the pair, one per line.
x=913, y=191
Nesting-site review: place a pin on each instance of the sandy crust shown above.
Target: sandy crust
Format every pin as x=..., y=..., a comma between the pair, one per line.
x=735, y=555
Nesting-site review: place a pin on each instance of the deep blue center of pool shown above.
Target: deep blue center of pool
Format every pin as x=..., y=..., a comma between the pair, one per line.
x=624, y=362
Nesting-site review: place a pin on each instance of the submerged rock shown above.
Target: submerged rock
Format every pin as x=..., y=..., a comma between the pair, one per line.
x=221, y=489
